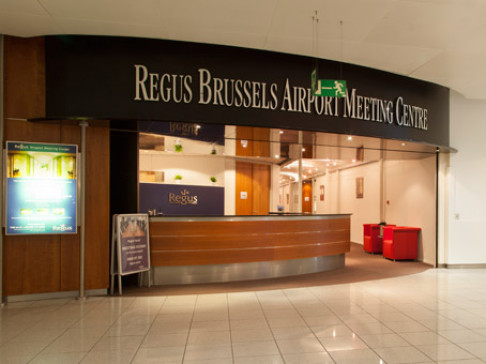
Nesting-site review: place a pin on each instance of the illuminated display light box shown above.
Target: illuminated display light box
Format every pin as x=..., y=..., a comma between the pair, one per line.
x=41, y=188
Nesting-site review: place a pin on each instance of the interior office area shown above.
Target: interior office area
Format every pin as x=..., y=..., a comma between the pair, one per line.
x=372, y=179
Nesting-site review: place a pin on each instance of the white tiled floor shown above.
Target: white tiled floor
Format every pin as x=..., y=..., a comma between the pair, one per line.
x=438, y=316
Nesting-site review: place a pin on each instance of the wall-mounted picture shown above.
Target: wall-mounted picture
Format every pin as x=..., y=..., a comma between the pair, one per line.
x=321, y=192
x=360, y=154
x=359, y=187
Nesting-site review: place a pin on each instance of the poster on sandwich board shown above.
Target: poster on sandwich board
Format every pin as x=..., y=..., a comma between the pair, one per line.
x=133, y=243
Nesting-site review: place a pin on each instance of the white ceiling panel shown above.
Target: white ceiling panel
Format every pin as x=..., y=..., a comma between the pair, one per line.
x=213, y=36
x=397, y=59
x=461, y=72
x=222, y=16
x=295, y=18
x=26, y=24
x=114, y=11
x=418, y=24
x=436, y=40
x=22, y=6
x=93, y=27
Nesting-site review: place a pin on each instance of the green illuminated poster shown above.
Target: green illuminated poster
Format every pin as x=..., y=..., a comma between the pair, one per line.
x=41, y=188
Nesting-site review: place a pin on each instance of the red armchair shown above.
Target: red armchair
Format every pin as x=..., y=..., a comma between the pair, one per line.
x=372, y=241
x=400, y=242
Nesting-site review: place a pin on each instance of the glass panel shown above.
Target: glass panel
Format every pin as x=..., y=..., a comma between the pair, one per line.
x=269, y=166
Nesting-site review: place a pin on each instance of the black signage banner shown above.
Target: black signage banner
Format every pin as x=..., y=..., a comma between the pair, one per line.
x=158, y=80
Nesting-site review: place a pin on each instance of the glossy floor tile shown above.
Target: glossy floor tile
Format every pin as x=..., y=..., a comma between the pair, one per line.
x=436, y=316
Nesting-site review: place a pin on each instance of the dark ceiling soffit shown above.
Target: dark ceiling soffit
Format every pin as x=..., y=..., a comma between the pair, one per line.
x=439, y=148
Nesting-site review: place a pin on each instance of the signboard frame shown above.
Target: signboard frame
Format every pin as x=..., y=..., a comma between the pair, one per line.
x=136, y=241
x=96, y=76
x=74, y=198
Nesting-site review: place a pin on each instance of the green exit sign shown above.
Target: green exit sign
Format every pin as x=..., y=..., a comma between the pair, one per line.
x=330, y=88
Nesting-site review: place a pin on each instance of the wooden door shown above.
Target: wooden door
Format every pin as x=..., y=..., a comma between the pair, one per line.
x=244, y=189
x=261, y=189
x=307, y=197
x=252, y=189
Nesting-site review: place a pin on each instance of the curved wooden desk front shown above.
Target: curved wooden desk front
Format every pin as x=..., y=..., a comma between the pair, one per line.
x=228, y=240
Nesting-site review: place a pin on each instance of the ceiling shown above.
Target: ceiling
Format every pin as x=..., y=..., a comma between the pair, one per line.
x=441, y=41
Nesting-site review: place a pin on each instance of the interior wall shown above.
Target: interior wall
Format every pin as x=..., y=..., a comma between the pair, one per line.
x=330, y=199
x=466, y=183
x=194, y=169
x=364, y=210
x=284, y=197
x=410, y=200
x=191, y=146
x=50, y=263
x=408, y=184
x=230, y=171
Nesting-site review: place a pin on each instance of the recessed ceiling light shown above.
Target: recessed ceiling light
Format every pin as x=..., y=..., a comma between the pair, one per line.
x=350, y=138
x=281, y=132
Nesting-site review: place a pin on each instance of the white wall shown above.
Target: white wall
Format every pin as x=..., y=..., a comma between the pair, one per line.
x=191, y=146
x=410, y=200
x=409, y=188
x=230, y=171
x=466, y=183
x=195, y=170
x=331, y=193
x=283, y=192
x=364, y=210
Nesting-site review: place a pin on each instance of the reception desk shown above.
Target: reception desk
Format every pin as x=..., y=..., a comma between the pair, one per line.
x=201, y=249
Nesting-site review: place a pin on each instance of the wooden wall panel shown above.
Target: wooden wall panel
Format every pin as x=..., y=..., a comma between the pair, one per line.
x=262, y=226
x=244, y=183
x=24, y=77
x=253, y=178
x=31, y=264
x=261, y=144
x=243, y=240
x=222, y=242
x=247, y=256
x=261, y=189
x=258, y=141
x=244, y=133
x=50, y=263
x=97, y=206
